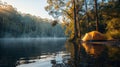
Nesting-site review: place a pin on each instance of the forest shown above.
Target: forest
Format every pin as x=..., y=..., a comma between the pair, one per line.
x=28, y=40
x=16, y=24
x=82, y=16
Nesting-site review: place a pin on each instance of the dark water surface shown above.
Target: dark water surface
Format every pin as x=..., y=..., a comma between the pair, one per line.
x=37, y=52
x=95, y=54
x=13, y=50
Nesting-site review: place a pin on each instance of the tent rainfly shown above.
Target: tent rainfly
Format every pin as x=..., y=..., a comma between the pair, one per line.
x=94, y=35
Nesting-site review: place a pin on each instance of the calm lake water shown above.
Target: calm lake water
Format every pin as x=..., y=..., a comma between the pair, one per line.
x=38, y=52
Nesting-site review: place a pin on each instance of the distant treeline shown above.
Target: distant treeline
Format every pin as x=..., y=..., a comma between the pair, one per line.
x=16, y=24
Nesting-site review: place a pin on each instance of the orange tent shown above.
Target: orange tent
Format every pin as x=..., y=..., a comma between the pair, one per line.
x=94, y=35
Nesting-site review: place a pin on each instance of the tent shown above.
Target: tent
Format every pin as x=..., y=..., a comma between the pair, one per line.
x=94, y=35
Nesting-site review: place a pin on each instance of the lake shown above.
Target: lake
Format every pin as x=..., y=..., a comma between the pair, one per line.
x=38, y=52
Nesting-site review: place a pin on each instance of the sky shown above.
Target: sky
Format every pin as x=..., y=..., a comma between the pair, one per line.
x=33, y=7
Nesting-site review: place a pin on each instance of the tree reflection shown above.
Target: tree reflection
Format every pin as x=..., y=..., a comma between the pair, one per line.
x=93, y=55
x=22, y=51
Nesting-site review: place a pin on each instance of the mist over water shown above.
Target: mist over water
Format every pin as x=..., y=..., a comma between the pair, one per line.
x=33, y=38
x=13, y=49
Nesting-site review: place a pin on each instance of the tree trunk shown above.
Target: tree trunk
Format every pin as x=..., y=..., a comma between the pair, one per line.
x=75, y=23
x=96, y=15
x=87, y=13
x=77, y=19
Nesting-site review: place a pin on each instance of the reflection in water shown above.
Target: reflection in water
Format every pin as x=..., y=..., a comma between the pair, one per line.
x=94, y=55
x=93, y=49
x=18, y=51
x=15, y=52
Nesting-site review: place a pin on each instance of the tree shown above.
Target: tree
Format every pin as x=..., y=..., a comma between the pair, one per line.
x=88, y=14
x=16, y=24
x=69, y=10
x=96, y=15
x=110, y=13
